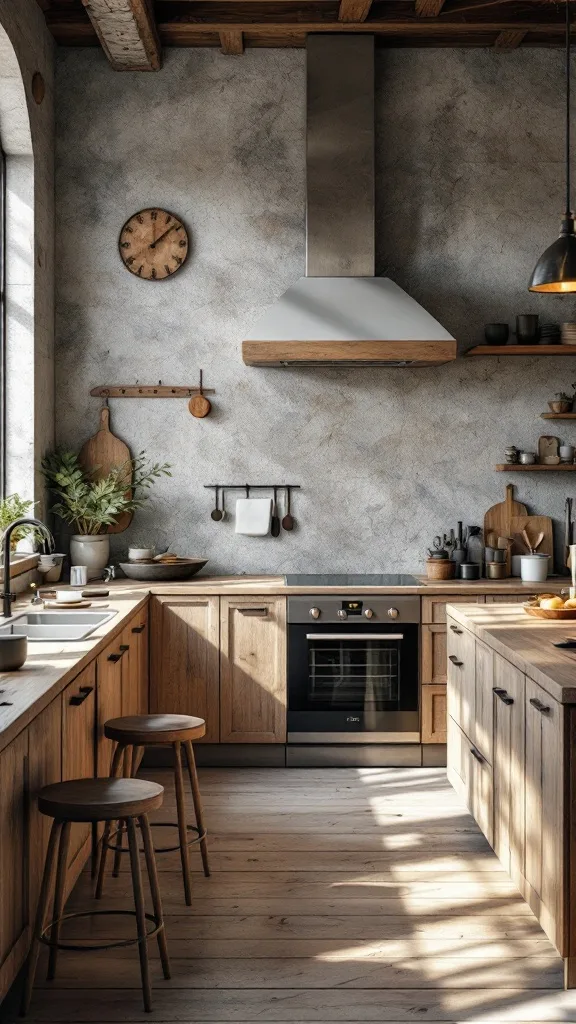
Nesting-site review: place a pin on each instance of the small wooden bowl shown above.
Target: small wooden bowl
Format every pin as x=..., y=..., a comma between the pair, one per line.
x=440, y=569
x=550, y=613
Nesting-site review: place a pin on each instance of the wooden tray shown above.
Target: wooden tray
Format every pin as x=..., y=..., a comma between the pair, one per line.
x=550, y=613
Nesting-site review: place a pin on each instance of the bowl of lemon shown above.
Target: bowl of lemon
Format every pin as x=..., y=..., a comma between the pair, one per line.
x=551, y=606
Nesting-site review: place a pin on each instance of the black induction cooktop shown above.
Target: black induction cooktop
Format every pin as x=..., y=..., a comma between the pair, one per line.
x=385, y=579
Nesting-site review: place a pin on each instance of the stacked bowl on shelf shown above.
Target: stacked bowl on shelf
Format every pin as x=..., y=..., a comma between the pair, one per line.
x=569, y=334
x=550, y=334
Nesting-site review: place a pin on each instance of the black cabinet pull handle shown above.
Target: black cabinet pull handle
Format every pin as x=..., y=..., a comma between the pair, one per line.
x=476, y=754
x=138, y=629
x=124, y=648
x=542, y=708
x=85, y=692
x=263, y=612
x=454, y=660
x=503, y=695
x=114, y=657
x=456, y=630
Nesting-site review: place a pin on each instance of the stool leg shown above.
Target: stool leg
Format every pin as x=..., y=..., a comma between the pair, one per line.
x=107, y=828
x=125, y=773
x=155, y=890
x=182, y=830
x=197, y=804
x=40, y=917
x=58, y=897
x=140, y=918
x=137, y=755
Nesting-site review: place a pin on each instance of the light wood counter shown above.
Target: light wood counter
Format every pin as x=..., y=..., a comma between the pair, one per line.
x=526, y=642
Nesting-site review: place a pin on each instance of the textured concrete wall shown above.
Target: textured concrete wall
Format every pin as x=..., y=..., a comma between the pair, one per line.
x=469, y=193
x=27, y=134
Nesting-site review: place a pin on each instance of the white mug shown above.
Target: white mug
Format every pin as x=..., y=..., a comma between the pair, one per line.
x=78, y=575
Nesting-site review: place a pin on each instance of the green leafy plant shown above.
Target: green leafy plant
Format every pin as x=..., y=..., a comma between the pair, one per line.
x=14, y=507
x=90, y=504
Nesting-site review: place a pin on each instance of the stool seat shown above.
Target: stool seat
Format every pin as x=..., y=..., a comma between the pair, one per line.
x=146, y=730
x=99, y=799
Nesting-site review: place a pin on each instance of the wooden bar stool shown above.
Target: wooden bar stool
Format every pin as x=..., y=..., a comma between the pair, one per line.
x=96, y=800
x=133, y=735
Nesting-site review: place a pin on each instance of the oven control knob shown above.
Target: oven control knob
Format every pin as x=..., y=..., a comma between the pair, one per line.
x=342, y=614
x=393, y=613
x=368, y=613
x=315, y=613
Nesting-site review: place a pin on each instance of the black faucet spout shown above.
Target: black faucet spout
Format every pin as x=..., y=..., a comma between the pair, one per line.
x=7, y=596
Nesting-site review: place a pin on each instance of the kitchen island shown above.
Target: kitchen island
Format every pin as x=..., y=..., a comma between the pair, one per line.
x=511, y=753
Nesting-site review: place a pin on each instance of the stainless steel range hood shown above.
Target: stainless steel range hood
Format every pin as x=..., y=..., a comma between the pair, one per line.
x=340, y=314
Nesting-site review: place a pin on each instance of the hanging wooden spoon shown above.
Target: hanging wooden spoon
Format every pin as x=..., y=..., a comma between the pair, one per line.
x=199, y=405
x=216, y=513
x=288, y=520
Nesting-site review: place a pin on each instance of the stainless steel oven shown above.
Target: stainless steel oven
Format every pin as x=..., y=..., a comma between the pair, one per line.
x=353, y=670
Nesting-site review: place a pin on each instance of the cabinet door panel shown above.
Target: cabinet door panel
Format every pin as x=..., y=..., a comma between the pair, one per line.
x=14, y=908
x=45, y=745
x=184, y=663
x=138, y=633
x=78, y=752
x=458, y=769
x=482, y=792
x=433, y=714
x=253, y=670
x=110, y=669
x=508, y=761
x=434, y=608
x=461, y=677
x=482, y=720
x=433, y=666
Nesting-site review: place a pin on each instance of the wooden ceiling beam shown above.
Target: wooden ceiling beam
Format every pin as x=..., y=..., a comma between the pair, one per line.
x=354, y=10
x=127, y=32
x=429, y=8
x=415, y=29
x=232, y=43
x=510, y=40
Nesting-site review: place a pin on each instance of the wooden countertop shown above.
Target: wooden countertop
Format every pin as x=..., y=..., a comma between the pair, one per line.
x=52, y=665
x=525, y=642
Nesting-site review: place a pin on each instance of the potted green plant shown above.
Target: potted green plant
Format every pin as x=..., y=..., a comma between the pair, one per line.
x=11, y=508
x=562, y=402
x=90, y=505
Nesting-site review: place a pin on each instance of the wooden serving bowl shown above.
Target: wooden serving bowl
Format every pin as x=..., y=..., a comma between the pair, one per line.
x=550, y=613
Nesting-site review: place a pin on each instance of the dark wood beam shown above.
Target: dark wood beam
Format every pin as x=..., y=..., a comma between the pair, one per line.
x=510, y=39
x=127, y=31
x=232, y=43
x=354, y=10
x=429, y=8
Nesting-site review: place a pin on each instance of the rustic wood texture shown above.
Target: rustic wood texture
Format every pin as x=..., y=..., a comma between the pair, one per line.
x=184, y=659
x=231, y=43
x=280, y=353
x=434, y=713
x=367, y=946
x=498, y=518
x=110, y=703
x=153, y=244
x=78, y=754
x=127, y=32
x=14, y=908
x=509, y=781
x=102, y=453
x=252, y=670
x=434, y=608
x=286, y=23
x=433, y=654
x=45, y=765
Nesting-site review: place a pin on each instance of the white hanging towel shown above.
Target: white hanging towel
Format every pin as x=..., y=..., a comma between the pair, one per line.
x=253, y=516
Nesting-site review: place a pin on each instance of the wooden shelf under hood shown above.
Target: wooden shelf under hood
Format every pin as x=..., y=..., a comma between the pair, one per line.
x=348, y=353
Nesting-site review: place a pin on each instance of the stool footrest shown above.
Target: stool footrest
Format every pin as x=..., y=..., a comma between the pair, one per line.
x=199, y=835
x=87, y=944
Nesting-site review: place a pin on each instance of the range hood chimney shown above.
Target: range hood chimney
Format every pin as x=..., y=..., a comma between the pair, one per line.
x=340, y=314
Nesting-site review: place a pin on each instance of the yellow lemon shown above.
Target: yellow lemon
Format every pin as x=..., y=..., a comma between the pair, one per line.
x=552, y=602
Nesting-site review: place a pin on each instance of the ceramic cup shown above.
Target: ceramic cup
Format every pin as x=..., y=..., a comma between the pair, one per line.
x=515, y=564
x=499, y=555
x=566, y=452
x=527, y=330
x=488, y=554
x=78, y=575
x=496, y=334
x=51, y=567
x=469, y=571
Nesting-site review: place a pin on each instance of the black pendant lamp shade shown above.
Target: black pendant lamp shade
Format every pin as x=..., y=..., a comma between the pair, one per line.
x=556, y=268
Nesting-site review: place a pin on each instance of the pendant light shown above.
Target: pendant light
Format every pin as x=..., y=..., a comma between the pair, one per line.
x=556, y=268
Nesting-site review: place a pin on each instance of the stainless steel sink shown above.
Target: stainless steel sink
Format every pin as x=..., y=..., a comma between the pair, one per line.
x=61, y=626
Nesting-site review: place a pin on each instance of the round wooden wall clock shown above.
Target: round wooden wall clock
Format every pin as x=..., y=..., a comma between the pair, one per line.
x=153, y=244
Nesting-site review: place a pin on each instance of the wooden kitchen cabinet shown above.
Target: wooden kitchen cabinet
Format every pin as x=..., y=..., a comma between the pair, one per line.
x=508, y=762
x=481, y=713
x=45, y=768
x=110, y=668
x=184, y=659
x=434, y=608
x=14, y=905
x=433, y=721
x=78, y=755
x=433, y=657
x=135, y=691
x=253, y=670
x=461, y=677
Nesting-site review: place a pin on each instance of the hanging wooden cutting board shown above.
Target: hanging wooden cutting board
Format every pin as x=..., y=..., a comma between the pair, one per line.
x=103, y=452
x=498, y=519
x=533, y=525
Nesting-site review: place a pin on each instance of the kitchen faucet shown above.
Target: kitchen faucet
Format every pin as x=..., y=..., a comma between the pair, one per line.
x=7, y=596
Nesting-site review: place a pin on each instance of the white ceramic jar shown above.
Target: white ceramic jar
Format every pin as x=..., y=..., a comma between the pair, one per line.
x=534, y=568
x=91, y=551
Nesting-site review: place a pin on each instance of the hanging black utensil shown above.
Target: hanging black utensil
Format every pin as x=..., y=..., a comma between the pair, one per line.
x=216, y=513
x=275, y=525
x=288, y=520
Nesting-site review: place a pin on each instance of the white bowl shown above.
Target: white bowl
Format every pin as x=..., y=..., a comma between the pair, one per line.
x=139, y=554
x=68, y=596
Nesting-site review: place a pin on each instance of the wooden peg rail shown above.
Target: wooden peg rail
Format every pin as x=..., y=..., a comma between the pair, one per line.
x=148, y=391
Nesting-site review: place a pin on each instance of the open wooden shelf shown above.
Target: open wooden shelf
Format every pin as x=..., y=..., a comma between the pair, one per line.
x=558, y=415
x=536, y=467
x=522, y=350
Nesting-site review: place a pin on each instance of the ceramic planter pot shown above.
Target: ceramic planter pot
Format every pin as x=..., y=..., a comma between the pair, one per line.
x=91, y=551
x=560, y=405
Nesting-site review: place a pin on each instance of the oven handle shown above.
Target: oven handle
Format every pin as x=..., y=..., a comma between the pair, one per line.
x=354, y=636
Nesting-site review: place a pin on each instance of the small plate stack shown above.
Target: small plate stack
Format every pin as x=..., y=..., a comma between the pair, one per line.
x=569, y=334
x=550, y=334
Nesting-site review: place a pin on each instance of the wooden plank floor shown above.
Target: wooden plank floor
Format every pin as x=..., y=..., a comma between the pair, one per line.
x=335, y=895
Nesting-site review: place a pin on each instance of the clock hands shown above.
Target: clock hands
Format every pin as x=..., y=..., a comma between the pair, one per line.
x=163, y=235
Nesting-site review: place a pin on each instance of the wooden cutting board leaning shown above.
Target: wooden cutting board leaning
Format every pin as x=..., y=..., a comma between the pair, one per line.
x=498, y=519
x=103, y=452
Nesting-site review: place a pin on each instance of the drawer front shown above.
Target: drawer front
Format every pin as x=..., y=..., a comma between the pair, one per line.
x=458, y=768
x=461, y=677
x=471, y=776
x=434, y=608
x=434, y=713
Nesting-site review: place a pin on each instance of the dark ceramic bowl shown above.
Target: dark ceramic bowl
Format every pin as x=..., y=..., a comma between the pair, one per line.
x=13, y=652
x=496, y=334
